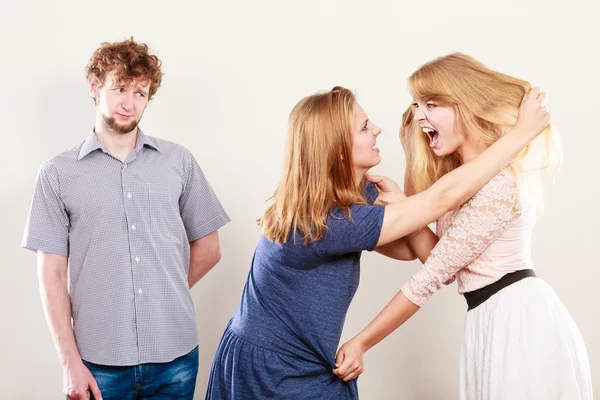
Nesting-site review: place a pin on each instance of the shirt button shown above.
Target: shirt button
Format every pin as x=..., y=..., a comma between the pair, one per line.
x=133, y=228
x=124, y=166
x=137, y=259
x=140, y=291
x=128, y=195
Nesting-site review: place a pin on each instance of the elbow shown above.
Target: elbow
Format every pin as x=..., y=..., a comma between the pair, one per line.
x=216, y=256
x=213, y=256
x=206, y=251
x=51, y=275
x=405, y=256
x=408, y=257
x=47, y=280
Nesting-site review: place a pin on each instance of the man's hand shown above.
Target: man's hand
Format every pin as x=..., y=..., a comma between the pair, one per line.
x=78, y=382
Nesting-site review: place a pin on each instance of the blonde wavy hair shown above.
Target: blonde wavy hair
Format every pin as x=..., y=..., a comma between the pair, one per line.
x=486, y=105
x=318, y=169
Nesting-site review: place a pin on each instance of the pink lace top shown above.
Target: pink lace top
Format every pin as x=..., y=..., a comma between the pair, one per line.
x=484, y=239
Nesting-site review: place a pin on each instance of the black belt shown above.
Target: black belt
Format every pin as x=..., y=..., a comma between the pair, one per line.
x=477, y=297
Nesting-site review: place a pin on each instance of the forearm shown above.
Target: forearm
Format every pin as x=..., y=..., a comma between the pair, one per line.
x=205, y=253
x=398, y=250
x=57, y=308
x=422, y=244
x=199, y=268
x=398, y=311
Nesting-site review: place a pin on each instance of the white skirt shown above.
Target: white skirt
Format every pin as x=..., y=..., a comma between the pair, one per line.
x=522, y=343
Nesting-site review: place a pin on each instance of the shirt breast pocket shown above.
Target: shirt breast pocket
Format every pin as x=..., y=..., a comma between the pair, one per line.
x=164, y=210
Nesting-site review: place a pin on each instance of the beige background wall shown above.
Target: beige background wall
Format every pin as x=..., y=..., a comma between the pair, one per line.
x=233, y=73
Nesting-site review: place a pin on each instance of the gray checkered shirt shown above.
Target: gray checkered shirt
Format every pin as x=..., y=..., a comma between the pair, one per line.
x=126, y=229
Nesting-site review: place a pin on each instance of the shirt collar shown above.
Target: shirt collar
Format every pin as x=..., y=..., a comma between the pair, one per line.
x=92, y=144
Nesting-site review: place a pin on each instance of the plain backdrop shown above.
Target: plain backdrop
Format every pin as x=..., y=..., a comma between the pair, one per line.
x=233, y=72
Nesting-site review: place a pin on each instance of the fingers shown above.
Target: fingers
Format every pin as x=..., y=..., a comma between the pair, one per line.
x=384, y=184
x=383, y=199
x=353, y=374
x=533, y=113
x=374, y=178
x=351, y=369
x=542, y=98
x=95, y=390
x=78, y=395
x=75, y=394
x=339, y=359
x=343, y=368
x=536, y=99
x=534, y=93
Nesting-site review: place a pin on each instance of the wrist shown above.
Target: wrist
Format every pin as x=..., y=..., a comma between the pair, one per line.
x=70, y=360
x=399, y=195
x=361, y=344
x=524, y=136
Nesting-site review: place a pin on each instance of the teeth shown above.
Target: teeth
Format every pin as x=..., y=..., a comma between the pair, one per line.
x=428, y=130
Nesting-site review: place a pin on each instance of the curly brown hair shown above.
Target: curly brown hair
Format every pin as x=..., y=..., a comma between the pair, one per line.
x=128, y=60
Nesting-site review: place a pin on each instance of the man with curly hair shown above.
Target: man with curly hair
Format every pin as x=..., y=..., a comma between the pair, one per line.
x=137, y=222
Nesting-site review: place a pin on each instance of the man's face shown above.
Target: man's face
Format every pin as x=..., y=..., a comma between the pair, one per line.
x=120, y=104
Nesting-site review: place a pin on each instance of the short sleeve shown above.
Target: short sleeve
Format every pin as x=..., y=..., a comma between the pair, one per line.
x=48, y=224
x=356, y=232
x=200, y=209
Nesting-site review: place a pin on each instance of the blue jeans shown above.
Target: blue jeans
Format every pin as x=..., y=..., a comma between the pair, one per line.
x=155, y=381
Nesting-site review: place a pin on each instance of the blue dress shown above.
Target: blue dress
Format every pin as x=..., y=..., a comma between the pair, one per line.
x=282, y=342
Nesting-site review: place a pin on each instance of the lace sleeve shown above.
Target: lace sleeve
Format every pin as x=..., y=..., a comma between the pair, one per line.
x=440, y=228
x=473, y=228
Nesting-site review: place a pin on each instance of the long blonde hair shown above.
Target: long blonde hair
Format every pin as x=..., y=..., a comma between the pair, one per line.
x=318, y=169
x=486, y=105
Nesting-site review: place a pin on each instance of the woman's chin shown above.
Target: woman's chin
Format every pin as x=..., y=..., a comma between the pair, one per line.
x=439, y=152
x=367, y=165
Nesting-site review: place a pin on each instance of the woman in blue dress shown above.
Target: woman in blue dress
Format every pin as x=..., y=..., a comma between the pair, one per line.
x=281, y=343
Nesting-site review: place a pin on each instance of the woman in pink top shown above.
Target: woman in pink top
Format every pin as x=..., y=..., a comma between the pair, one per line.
x=519, y=340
